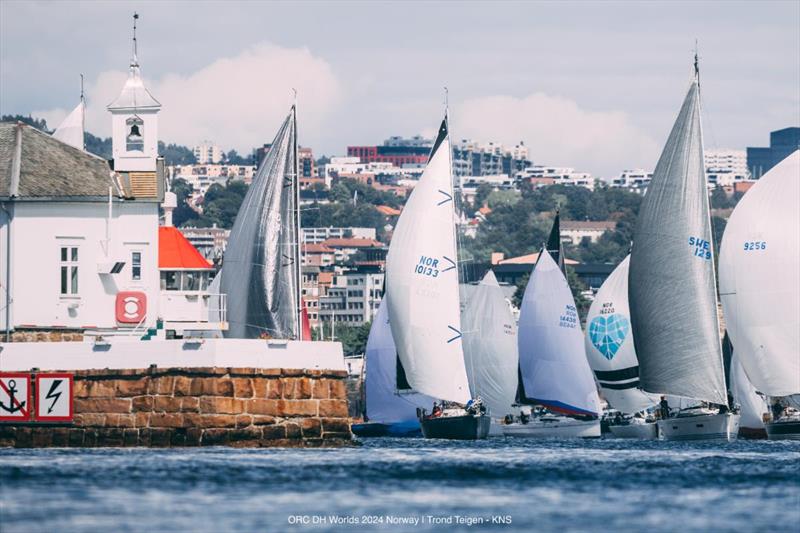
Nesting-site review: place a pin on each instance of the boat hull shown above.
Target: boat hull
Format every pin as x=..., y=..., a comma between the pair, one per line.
x=721, y=426
x=783, y=430
x=647, y=431
x=559, y=429
x=408, y=428
x=464, y=427
x=752, y=433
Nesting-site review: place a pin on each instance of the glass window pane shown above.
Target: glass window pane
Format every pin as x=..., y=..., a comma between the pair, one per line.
x=163, y=281
x=64, y=279
x=136, y=265
x=74, y=254
x=173, y=281
x=74, y=278
x=63, y=254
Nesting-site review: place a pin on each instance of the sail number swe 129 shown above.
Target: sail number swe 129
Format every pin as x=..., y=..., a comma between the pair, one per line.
x=752, y=246
x=702, y=248
x=427, y=266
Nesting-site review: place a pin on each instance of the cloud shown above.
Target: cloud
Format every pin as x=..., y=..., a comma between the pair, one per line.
x=558, y=132
x=237, y=102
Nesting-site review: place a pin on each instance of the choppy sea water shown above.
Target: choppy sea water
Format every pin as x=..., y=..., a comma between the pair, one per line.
x=387, y=484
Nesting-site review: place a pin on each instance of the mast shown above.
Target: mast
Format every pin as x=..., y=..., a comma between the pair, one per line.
x=298, y=249
x=83, y=118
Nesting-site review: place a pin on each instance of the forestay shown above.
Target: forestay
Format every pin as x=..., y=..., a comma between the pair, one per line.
x=422, y=283
x=759, y=281
x=490, y=346
x=609, y=344
x=552, y=359
x=385, y=404
x=260, y=269
x=671, y=287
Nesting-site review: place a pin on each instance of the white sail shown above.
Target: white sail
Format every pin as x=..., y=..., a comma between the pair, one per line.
x=490, y=346
x=609, y=345
x=422, y=283
x=70, y=130
x=552, y=358
x=385, y=403
x=752, y=405
x=759, y=281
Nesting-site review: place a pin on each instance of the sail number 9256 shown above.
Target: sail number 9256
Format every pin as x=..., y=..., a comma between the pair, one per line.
x=751, y=246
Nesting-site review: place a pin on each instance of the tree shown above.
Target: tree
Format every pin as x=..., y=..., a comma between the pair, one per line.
x=353, y=338
x=233, y=158
x=38, y=123
x=221, y=204
x=183, y=214
x=720, y=199
x=175, y=154
x=98, y=146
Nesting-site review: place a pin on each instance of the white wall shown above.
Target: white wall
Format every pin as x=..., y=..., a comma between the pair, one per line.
x=41, y=228
x=4, y=229
x=125, y=161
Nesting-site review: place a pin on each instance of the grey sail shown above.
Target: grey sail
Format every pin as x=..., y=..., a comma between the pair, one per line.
x=260, y=267
x=671, y=286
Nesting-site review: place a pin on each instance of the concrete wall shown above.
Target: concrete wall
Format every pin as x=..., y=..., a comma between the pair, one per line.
x=198, y=407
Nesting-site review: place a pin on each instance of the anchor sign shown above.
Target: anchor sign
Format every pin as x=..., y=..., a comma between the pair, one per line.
x=53, y=398
x=14, y=397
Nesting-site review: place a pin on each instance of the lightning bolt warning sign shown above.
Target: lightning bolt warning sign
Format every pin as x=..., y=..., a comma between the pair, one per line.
x=53, y=398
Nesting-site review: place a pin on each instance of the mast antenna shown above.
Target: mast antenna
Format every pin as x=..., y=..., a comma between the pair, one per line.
x=696, y=63
x=135, y=58
x=81, y=87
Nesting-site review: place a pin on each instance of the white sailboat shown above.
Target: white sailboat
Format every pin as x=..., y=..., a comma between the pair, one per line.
x=391, y=405
x=612, y=356
x=71, y=129
x=490, y=347
x=261, y=266
x=423, y=299
x=671, y=288
x=553, y=370
x=760, y=290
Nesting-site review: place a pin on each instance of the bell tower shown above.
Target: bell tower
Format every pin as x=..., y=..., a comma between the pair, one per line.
x=134, y=121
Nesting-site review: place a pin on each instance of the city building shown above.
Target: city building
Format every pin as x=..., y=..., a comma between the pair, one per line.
x=317, y=235
x=210, y=242
x=207, y=153
x=781, y=144
x=541, y=176
x=574, y=231
x=318, y=255
x=396, y=150
x=470, y=184
x=375, y=174
x=635, y=180
x=471, y=158
x=201, y=177
x=357, y=250
x=726, y=167
x=352, y=298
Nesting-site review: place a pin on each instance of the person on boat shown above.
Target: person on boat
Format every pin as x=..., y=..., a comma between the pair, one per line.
x=777, y=410
x=437, y=410
x=664, y=407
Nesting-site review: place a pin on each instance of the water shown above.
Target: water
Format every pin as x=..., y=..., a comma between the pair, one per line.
x=608, y=485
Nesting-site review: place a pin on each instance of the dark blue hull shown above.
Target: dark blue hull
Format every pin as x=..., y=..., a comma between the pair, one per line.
x=405, y=429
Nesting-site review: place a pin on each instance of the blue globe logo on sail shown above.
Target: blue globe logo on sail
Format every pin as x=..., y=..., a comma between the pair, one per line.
x=608, y=332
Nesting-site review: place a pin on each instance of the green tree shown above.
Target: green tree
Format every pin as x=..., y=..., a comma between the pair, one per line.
x=175, y=154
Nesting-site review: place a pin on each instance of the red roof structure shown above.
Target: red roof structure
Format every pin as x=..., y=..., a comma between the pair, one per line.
x=175, y=252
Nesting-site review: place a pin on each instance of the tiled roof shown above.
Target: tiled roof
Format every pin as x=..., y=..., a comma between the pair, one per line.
x=42, y=167
x=317, y=248
x=352, y=243
x=177, y=253
x=530, y=259
x=388, y=211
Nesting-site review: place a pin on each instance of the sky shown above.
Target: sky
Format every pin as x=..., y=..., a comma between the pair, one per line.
x=591, y=85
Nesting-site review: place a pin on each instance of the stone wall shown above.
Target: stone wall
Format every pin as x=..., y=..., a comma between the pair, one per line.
x=45, y=335
x=198, y=407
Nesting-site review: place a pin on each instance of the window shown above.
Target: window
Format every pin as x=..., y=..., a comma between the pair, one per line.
x=134, y=139
x=136, y=266
x=69, y=270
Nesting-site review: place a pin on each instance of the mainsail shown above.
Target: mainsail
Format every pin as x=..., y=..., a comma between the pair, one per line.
x=552, y=361
x=759, y=283
x=385, y=404
x=609, y=344
x=260, y=273
x=422, y=283
x=70, y=130
x=490, y=346
x=671, y=287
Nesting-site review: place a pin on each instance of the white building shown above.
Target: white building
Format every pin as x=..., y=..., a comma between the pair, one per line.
x=353, y=298
x=352, y=166
x=574, y=231
x=201, y=177
x=635, y=180
x=317, y=235
x=207, y=153
x=540, y=175
x=726, y=167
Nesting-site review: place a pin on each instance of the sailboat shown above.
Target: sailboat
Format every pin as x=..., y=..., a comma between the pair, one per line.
x=423, y=301
x=391, y=405
x=71, y=129
x=612, y=356
x=261, y=269
x=553, y=371
x=671, y=287
x=490, y=348
x=752, y=406
x=760, y=291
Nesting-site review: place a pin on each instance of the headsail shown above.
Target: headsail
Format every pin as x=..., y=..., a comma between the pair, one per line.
x=554, y=245
x=490, y=346
x=609, y=344
x=260, y=268
x=70, y=130
x=422, y=283
x=552, y=361
x=758, y=278
x=384, y=403
x=671, y=287
x=752, y=405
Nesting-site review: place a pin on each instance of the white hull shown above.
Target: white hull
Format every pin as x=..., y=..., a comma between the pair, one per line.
x=700, y=427
x=648, y=431
x=554, y=428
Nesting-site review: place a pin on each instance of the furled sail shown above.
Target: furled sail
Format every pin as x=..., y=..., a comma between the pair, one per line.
x=552, y=360
x=609, y=345
x=422, y=283
x=490, y=346
x=70, y=130
x=261, y=262
x=759, y=282
x=672, y=295
x=752, y=405
x=385, y=403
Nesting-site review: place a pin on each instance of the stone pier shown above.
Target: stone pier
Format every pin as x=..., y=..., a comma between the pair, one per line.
x=163, y=407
